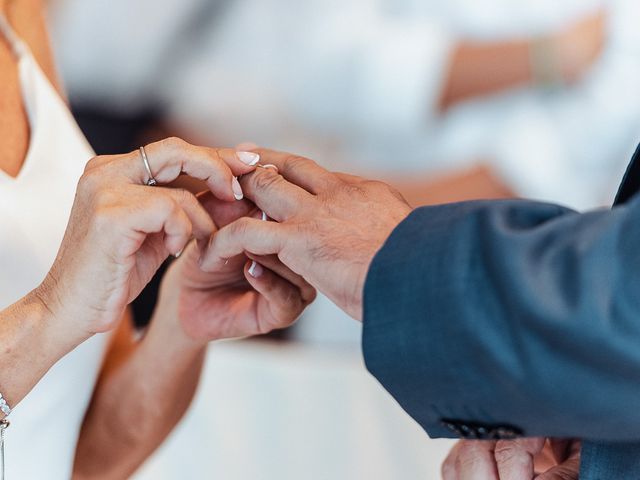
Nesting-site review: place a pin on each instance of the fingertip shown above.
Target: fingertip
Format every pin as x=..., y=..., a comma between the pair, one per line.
x=255, y=270
x=249, y=159
x=238, y=194
x=175, y=244
x=222, y=189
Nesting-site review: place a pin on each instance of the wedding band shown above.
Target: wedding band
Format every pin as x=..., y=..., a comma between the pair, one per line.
x=151, y=181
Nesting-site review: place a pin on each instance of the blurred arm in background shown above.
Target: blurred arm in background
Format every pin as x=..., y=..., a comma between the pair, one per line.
x=280, y=69
x=479, y=69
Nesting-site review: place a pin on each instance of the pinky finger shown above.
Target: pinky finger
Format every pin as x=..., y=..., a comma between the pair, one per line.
x=283, y=305
x=273, y=263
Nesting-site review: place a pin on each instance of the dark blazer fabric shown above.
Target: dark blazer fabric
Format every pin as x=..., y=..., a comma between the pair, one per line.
x=497, y=319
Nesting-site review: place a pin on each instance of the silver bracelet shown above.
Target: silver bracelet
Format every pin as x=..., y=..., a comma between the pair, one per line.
x=545, y=64
x=4, y=407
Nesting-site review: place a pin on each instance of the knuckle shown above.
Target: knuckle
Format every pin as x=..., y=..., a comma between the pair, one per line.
x=294, y=162
x=103, y=198
x=173, y=143
x=565, y=473
x=187, y=228
x=183, y=196
x=309, y=294
x=288, y=311
x=469, y=448
x=448, y=467
x=239, y=227
x=92, y=164
x=352, y=190
x=214, y=242
x=507, y=452
x=382, y=188
x=89, y=181
x=103, y=218
x=471, y=454
x=164, y=204
x=216, y=154
x=377, y=185
x=266, y=179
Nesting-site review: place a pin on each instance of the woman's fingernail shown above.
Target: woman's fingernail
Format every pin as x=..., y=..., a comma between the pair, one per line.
x=237, y=189
x=269, y=165
x=255, y=270
x=264, y=217
x=248, y=158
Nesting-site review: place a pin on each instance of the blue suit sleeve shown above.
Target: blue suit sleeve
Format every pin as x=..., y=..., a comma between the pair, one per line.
x=510, y=312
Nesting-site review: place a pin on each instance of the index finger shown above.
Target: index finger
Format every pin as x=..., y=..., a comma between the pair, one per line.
x=273, y=194
x=172, y=157
x=474, y=461
x=514, y=458
x=245, y=235
x=299, y=170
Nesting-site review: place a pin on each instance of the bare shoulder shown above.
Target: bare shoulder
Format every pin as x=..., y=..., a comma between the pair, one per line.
x=28, y=18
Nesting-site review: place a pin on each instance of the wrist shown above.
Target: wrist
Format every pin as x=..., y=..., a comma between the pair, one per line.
x=57, y=319
x=54, y=324
x=546, y=59
x=166, y=324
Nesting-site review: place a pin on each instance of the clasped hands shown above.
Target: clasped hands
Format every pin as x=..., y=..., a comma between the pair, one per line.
x=324, y=230
x=242, y=275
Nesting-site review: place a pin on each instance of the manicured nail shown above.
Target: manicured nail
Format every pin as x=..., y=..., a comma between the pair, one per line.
x=264, y=217
x=255, y=270
x=269, y=165
x=237, y=189
x=248, y=158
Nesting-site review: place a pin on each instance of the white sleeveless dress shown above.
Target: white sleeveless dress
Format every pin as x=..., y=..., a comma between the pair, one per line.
x=34, y=209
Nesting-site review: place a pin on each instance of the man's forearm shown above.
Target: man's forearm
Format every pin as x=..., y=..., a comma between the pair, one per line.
x=142, y=395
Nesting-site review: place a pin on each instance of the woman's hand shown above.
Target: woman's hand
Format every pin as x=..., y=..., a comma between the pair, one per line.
x=520, y=459
x=121, y=230
x=237, y=299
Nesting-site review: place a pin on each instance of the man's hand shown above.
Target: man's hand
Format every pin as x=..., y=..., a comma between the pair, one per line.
x=521, y=459
x=239, y=298
x=330, y=225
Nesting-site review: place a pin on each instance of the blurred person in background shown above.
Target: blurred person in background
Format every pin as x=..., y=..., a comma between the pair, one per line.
x=86, y=396
x=348, y=74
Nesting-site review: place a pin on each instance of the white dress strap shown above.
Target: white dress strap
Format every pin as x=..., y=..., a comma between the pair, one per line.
x=18, y=47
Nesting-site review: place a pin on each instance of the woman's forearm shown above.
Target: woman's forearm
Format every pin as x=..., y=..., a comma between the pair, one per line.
x=32, y=338
x=143, y=392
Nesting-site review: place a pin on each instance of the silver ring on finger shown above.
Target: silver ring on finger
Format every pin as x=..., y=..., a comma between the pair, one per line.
x=145, y=160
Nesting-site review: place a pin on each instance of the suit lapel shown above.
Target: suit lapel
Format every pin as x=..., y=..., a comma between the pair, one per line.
x=631, y=180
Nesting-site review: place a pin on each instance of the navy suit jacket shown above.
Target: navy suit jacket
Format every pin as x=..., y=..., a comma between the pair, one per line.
x=497, y=319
